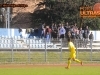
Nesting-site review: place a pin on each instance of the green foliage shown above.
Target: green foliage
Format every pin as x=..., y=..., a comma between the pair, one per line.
x=62, y=11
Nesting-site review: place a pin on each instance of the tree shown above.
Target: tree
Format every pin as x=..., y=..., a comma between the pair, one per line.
x=62, y=11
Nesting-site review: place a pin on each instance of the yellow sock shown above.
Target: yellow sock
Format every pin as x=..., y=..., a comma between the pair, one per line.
x=77, y=60
x=69, y=62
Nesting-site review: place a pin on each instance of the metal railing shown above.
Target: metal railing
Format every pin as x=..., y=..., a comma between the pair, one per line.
x=30, y=50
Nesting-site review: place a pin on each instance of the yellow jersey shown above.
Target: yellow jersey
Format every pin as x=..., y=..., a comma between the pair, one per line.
x=71, y=47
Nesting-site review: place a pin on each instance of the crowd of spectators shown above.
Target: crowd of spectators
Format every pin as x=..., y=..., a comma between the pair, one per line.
x=64, y=31
x=57, y=31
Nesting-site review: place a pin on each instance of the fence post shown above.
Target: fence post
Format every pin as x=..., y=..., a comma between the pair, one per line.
x=29, y=51
x=45, y=51
x=76, y=48
x=91, y=49
x=12, y=56
x=61, y=50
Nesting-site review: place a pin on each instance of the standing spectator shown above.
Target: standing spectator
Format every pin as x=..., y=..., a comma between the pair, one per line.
x=85, y=36
x=47, y=37
x=69, y=35
x=80, y=33
x=48, y=33
x=91, y=37
x=66, y=25
x=77, y=33
x=54, y=33
x=55, y=26
x=31, y=32
x=20, y=32
x=59, y=27
x=81, y=37
x=66, y=28
x=73, y=33
x=62, y=32
x=75, y=26
x=43, y=33
x=86, y=32
x=42, y=26
x=36, y=31
x=52, y=27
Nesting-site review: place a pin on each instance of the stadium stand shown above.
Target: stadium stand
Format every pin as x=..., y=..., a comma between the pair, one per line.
x=34, y=42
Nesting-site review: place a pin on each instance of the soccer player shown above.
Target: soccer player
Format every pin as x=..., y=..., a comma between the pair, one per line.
x=72, y=53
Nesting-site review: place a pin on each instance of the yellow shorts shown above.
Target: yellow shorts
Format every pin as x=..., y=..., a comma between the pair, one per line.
x=72, y=55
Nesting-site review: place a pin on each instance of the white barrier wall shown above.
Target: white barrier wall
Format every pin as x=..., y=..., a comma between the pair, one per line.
x=96, y=35
x=15, y=32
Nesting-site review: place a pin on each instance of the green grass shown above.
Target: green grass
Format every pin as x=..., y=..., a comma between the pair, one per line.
x=39, y=57
x=58, y=70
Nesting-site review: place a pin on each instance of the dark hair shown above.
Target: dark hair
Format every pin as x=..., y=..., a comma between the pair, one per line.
x=69, y=39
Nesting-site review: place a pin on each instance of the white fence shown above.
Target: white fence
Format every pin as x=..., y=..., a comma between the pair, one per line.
x=21, y=50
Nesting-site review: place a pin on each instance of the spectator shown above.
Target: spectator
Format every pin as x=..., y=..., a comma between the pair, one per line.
x=91, y=37
x=80, y=33
x=62, y=32
x=66, y=28
x=20, y=32
x=31, y=32
x=43, y=33
x=73, y=34
x=48, y=33
x=52, y=27
x=36, y=31
x=85, y=36
x=55, y=26
x=69, y=35
x=47, y=37
x=77, y=33
x=54, y=33
x=59, y=26
x=42, y=26
x=86, y=32
x=66, y=25
x=75, y=26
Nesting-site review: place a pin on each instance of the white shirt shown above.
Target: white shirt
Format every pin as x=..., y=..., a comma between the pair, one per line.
x=62, y=31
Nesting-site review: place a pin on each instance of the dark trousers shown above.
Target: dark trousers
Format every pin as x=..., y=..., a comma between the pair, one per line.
x=62, y=36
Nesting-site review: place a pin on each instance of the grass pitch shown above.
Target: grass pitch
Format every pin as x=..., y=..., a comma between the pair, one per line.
x=50, y=70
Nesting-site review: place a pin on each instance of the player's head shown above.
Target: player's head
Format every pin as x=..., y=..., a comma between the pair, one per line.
x=69, y=39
